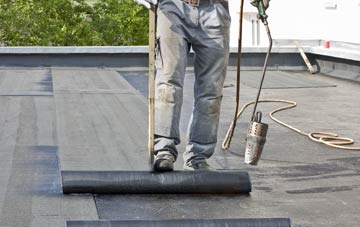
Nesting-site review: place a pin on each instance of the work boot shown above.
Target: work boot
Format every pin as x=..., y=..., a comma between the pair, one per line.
x=201, y=166
x=164, y=162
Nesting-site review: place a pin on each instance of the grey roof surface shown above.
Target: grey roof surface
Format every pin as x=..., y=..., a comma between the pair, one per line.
x=56, y=119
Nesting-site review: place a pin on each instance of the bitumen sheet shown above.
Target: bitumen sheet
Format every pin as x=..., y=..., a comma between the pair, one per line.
x=55, y=119
x=101, y=121
x=28, y=82
x=274, y=79
x=266, y=222
x=149, y=182
x=282, y=80
x=30, y=192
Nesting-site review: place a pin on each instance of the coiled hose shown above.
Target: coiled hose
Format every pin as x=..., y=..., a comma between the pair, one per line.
x=329, y=139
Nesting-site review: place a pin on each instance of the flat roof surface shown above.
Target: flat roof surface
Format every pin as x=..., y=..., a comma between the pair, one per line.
x=56, y=119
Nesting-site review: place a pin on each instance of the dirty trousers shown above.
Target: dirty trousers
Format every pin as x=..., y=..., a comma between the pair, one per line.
x=206, y=29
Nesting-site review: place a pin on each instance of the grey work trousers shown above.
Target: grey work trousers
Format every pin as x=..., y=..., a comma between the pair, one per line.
x=206, y=29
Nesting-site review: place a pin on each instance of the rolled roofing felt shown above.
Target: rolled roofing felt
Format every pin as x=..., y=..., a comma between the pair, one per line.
x=265, y=222
x=146, y=182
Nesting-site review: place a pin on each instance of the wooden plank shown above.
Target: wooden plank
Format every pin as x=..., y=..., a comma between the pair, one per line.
x=305, y=58
x=151, y=127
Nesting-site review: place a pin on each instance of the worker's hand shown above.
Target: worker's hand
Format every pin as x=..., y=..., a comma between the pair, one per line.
x=146, y=3
x=256, y=3
x=262, y=6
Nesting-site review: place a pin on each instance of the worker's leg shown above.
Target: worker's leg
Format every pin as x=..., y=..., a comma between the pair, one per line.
x=211, y=59
x=171, y=63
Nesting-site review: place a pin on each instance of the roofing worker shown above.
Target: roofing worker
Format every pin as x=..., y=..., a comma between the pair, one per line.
x=204, y=26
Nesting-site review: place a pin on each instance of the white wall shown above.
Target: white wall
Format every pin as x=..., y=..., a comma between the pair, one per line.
x=334, y=20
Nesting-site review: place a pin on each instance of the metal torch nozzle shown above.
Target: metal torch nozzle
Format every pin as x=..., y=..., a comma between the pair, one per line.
x=255, y=140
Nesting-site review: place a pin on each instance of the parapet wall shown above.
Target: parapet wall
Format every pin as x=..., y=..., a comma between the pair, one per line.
x=342, y=60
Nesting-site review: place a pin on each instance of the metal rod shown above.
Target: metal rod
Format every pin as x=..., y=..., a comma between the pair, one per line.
x=264, y=68
x=237, y=97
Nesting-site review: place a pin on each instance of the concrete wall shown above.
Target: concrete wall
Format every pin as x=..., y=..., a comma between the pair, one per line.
x=335, y=20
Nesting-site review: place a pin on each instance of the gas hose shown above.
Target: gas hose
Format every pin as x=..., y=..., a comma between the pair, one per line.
x=329, y=139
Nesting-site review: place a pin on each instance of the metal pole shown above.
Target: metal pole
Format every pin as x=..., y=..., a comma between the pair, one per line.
x=264, y=68
x=237, y=98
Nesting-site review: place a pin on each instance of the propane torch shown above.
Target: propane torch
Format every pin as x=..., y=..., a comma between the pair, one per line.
x=256, y=135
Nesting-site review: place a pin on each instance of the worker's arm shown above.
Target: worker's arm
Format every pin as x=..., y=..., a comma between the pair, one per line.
x=262, y=6
x=146, y=3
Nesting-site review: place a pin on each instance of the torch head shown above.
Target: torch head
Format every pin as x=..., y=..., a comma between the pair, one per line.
x=255, y=140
